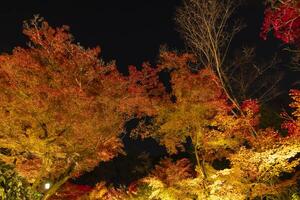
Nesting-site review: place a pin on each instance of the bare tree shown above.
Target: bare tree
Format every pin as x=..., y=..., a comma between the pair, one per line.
x=251, y=79
x=203, y=24
x=208, y=31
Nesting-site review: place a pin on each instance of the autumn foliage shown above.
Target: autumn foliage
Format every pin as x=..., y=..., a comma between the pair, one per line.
x=199, y=111
x=60, y=105
x=283, y=19
x=62, y=110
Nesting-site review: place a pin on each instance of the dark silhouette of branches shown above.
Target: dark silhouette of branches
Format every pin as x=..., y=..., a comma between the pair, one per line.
x=208, y=30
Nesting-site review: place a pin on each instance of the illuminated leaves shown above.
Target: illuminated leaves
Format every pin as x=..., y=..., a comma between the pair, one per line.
x=195, y=99
x=172, y=180
x=61, y=106
x=292, y=125
x=62, y=110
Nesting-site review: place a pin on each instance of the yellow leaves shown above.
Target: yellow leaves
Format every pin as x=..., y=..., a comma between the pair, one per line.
x=50, y=108
x=29, y=168
x=295, y=94
x=220, y=141
x=254, y=171
x=102, y=192
x=267, y=165
x=172, y=181
x=226, y=184
x=219, y=185
x=99, y=191
x=178, y=190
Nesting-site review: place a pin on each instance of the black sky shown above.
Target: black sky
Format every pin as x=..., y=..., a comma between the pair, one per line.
x=129, y=31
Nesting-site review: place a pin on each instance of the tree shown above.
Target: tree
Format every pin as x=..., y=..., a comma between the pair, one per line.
x=208, y=30
x=199, y=111
x=61, y=107
x=283, y=18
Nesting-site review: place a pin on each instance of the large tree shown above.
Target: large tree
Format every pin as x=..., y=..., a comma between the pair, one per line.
x=61, y=107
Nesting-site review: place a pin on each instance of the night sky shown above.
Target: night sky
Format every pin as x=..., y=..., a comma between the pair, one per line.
x=128, y=31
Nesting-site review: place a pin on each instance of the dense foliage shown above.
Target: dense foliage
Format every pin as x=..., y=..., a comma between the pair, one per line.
x=62, y=110
x=60, y=106
x=12, y=186
x=283, y=19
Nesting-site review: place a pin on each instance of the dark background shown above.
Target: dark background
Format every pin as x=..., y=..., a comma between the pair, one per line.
x=128, y=31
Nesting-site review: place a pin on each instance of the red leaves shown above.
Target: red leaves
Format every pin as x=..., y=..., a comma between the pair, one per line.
x=56, y=84
x=284, y=21
x=71, y=191
x=250, y=106
x=290, y=126
x=173, y=172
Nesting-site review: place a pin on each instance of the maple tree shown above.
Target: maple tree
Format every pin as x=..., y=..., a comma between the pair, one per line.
x=12, y=186
x=61, y=107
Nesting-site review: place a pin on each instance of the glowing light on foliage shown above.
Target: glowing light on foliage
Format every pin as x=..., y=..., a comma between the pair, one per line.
x=47, y=186
x=202, y=113
x=62, y=110
x=292, y=125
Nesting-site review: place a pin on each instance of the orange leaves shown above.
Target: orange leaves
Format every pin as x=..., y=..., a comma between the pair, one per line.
x=56, y=43
x=292, y=125
x=62, y=110
x=295, y=94
x=172, y=172
x=197, y=100
x=55, y=106
x=40, y=33
x=250, y=106
x=171, y=60
x=145, y=89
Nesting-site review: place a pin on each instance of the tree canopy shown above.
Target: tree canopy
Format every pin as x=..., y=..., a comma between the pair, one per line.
x=62, y=110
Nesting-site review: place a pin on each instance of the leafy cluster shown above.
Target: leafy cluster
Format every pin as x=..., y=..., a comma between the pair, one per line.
x=283, y=18
x=12, y=186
